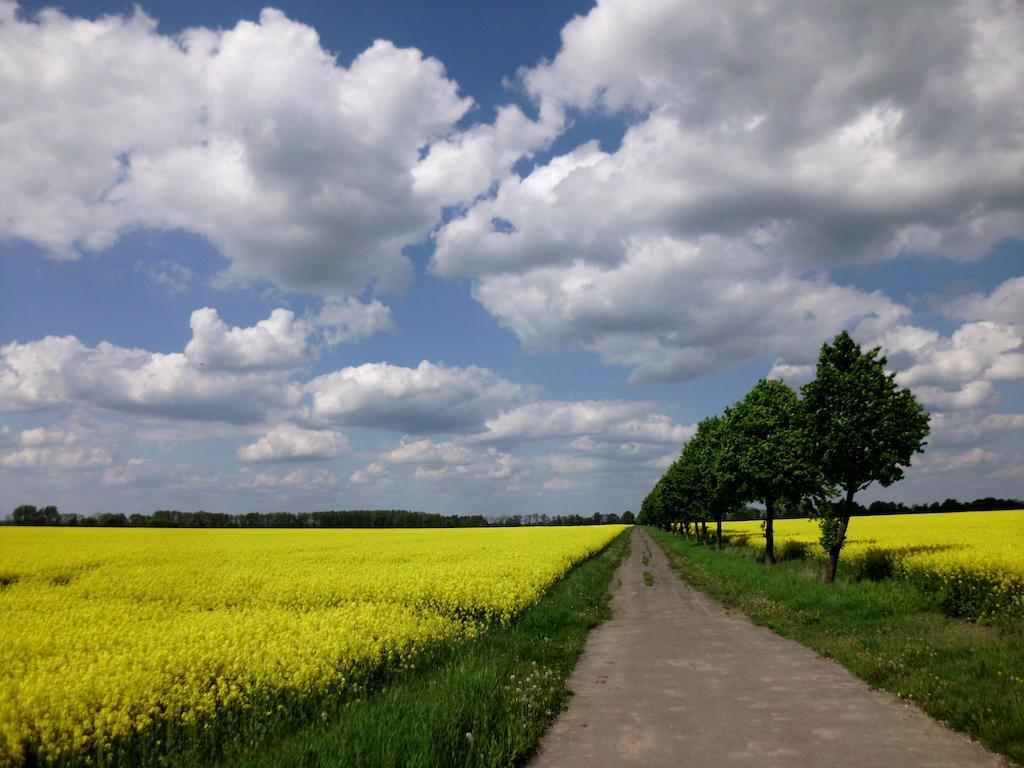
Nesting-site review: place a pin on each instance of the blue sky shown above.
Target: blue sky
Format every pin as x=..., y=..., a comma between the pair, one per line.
x=490, y=257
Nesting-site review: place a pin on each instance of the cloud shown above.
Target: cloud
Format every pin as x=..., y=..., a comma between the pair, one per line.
x=939, y=462
x=597, y=444
x=57, y=458
x=296, y=480
x=438, y=461
x=114, y=87
x=423, y=450
x=61, y=371
x=859, y=134
x=140, y=474
x=342, y=321
x=971, y=428
x=277, y=342
x=287, y=442
x=282, y=340
x=794, y=375
x=610, y=420
x=974, y=394
x=445, y=462
x=169, y=275
x=561, y=485
x=303, y=171
x=955, y=373
x=229, y=374
x=485, y=467
x=673, y=310
x=48, y=436
x=974, y=355
x=764, y=147
x=75, y=444
x=428, y=398
x=459, y=169
x=33, y=375
x=371, y=473
x=1005, y=305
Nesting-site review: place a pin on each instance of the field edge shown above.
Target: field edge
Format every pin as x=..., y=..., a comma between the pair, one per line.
x=485, y=702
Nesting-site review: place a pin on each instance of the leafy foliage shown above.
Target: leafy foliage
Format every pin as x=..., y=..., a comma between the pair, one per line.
x=769, y=450
x=853, y=427
x=862, y=427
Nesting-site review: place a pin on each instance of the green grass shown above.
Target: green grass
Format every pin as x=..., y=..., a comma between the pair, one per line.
x=485, y=702
x=887, y=632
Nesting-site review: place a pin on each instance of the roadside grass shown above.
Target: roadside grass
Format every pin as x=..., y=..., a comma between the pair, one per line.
x=887, y=632
x=484, y=702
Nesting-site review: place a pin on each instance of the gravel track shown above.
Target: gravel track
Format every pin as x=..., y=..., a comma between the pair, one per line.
x=676, y=679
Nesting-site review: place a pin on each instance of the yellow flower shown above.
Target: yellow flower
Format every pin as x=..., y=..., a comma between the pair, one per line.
x=105, y=634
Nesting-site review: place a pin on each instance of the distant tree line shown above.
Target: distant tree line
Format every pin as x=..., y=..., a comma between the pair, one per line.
x=987, y=504
x=28, y=514
x=796, y=454
x=597, y=518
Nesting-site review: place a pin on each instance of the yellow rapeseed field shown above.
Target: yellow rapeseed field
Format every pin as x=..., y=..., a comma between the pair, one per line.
x=975, y=559
x=106, y=634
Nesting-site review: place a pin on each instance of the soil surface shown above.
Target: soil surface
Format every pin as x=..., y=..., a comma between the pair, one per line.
x=676, y=679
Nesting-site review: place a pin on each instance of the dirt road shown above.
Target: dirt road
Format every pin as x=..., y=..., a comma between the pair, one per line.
x=675, y=679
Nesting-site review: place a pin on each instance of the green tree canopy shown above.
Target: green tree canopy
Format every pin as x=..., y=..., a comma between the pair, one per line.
x=770, y=450
x=862, y=427
x=708, y=471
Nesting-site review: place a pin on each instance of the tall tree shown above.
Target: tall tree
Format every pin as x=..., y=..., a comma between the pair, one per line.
x=682, y=506
x=770, y=448
x=863, y=428
x=652, y=510
x=26, y=514
x=709, y=471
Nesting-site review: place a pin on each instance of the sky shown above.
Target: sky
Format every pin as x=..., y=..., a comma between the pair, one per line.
x=491, y=257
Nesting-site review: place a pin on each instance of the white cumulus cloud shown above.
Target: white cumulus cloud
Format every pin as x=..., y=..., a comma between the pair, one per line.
x=61, y=371
x=277, y=342
x=304, y=171
x=288, y=442
x=764, y=146
x=612, y=420
x=428, y=398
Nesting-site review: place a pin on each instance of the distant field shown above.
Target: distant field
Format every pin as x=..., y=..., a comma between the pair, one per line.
x=974, y=559
x=125, y=636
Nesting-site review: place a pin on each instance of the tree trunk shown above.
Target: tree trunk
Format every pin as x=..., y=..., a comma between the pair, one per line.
x=704, y=530
x=833, y=563
x=840, y=540
x=769, y=532
x=718, y=532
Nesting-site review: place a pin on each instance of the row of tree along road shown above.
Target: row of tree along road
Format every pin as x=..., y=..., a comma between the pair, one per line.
x=852, y=426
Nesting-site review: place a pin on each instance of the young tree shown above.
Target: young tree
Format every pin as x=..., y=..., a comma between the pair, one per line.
x=862, y=427
x=769, y=446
